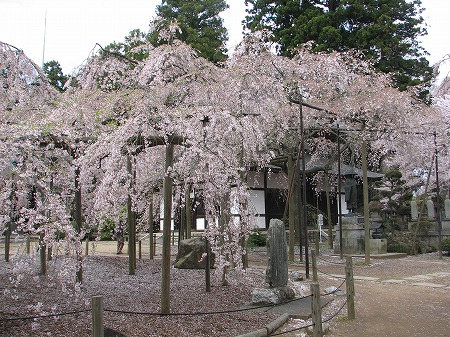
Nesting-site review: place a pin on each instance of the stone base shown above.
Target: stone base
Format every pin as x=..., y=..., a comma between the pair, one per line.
x=352, y=236
x=262, y=296
x=378, y=246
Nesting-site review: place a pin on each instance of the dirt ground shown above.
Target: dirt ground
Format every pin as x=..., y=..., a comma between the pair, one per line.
x=398, y=297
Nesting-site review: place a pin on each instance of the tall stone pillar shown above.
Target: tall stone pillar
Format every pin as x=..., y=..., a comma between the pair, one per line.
x=277, y=269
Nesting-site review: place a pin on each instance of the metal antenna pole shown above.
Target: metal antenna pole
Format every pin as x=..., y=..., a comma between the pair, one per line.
x=45, y=33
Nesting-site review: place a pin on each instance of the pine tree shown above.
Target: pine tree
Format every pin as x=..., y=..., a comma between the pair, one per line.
x=200, y=25
x=55, y=74
x=386, y=30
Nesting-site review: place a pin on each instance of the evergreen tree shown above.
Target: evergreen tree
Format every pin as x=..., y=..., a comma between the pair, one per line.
x=55, y=74
x=386, y=30
x=134, y=39
x=200, y=25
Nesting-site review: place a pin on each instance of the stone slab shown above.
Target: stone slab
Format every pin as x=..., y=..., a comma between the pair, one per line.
x=378, y=256
x=393, y=281
x=439, y=274
x=417, y=278
x=365, y=278
x=429, y=285
x=355, y=277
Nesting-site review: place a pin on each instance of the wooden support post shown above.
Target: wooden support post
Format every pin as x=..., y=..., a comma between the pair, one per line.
x=131, y=221
x=140, y=249
x=42, y=254
x=291, y=207
x=317, y=242
x=208, y=266
x=314, y=266
x=150, y=228
x=7, y=241
x=350, y=287
x=173, y=237
x=79, y=225
x=97, y=317
x=188, y=213
x=330, y=227
x=316, y=310
x=87, y=246
x=167, y=188
x=27, y=244
x=366, y=203
x=154, y=244
x=49, y=253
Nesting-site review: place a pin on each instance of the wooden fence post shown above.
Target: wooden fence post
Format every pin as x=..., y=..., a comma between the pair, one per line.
x=27, y=243
x=97, y=316
x=140, y=249
x=316, y=310
x=87, y=246
x=350, y=288
x=7, y=241
x=42, y=254
x=317, y=242
x=314, y=266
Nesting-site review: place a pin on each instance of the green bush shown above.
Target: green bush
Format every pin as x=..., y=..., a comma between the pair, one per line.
x=257, y=239
x=396, y=247
x=106, y=229
x=446, y=245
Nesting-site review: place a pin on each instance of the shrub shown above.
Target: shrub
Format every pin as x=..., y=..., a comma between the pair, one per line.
x=257, y=239
x=397, y=247
x=446, y=245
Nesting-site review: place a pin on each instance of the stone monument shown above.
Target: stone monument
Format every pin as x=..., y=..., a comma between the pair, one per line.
x=414, y=210
x=430, y=209
x=277, y=251
x=277, y=268
x=447, y=208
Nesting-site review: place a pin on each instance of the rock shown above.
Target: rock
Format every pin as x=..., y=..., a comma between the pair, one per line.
x=333, y=290
x=272, y=295
x=190, y=254
x=295, y=276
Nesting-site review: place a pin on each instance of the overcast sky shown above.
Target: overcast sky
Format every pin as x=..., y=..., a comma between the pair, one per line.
x=74, y=27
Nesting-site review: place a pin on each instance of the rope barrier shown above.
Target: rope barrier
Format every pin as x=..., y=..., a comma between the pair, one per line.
x=43, y=316
x=154, y=313
x=330, y=262
x=336, y=313
x=312, y=324
x=200, y=313
x=330, y=275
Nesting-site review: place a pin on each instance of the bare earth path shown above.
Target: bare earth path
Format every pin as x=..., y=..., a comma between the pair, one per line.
x=402, y=297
